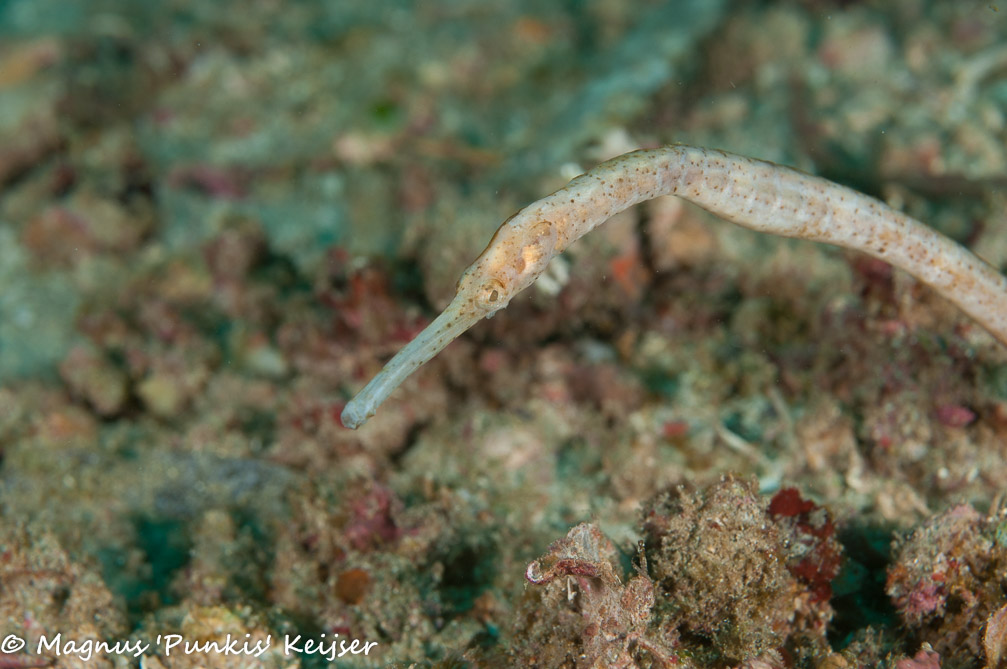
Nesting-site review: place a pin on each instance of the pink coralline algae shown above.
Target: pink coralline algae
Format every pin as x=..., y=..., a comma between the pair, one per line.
x=371, y=520
x=995, y=639
x=954, y=415
x=925, y=659
x=947, y=581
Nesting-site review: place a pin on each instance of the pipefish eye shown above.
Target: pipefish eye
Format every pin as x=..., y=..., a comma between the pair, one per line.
x=492, y=291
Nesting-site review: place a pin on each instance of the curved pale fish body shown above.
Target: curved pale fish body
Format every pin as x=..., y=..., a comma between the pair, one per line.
x=753, y=193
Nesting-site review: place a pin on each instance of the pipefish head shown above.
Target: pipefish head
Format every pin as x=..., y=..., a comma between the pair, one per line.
x=518, y=253
x=515, y=257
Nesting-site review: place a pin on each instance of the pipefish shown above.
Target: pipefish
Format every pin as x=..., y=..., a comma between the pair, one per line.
x=753, y=193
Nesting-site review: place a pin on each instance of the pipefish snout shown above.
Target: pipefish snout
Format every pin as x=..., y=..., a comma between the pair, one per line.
x=753, y=193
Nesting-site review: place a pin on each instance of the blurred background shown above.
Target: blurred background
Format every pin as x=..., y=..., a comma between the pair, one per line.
x=218, y=219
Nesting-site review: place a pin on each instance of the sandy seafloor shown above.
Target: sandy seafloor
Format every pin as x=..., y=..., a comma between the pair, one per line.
x=691, y=446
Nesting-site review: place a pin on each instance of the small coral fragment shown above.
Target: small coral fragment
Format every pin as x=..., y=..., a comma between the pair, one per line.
x=746, y=578
x=995, y=639
x=718, y=564
x=579, y=614
x=91, y=376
